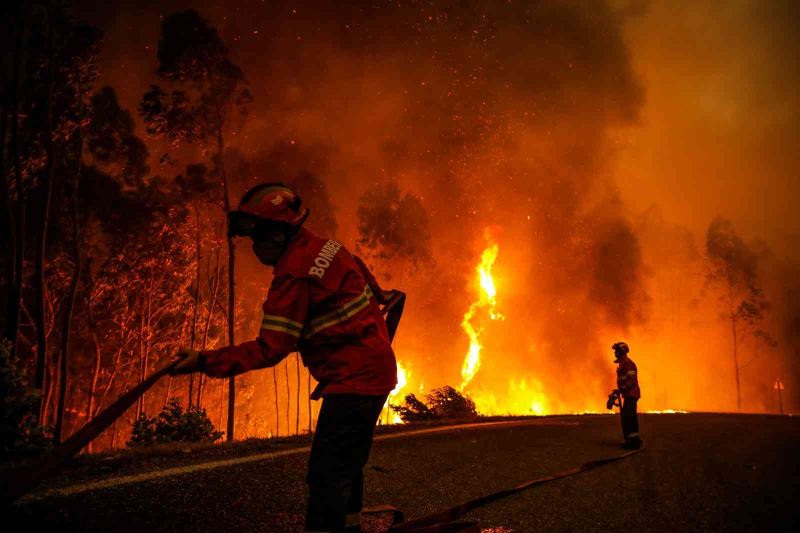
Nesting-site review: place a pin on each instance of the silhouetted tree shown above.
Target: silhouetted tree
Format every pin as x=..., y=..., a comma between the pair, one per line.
x=115, y=161
x=196, y=188
x=393, y=225
x=48, y=68
x=83, y=47
x=203, y=89
x=734, y=268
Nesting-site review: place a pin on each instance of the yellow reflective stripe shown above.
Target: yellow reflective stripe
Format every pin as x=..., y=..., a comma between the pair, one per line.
x=279, y=323
x=282, y=329
x=347, y=311
x=632, y=372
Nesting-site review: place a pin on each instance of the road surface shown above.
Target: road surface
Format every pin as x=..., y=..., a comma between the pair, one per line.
x=699, y=472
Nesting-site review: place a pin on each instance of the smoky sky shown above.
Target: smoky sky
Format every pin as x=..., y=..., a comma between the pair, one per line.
x=558, y=123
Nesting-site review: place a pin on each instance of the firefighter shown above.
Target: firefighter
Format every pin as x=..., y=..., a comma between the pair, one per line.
x=628, y=386
x=324, y=303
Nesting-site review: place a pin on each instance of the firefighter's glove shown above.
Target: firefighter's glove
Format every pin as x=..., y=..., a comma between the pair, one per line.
x=612, y=399
x=188, y=362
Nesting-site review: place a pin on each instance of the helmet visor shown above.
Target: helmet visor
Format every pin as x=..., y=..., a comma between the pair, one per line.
x=242, y=224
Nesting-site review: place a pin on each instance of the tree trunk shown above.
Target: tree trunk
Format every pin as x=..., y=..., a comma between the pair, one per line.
x=231, y=272
x=115, y=366
x=196, y=296
x=73, y=286
x=9, y=234
x=297, y=396
x=149, y=333
x=169, y=391
x=73, y=291
x=288, y=396
x=47, y=186
x=93, y=385
x=141, y=359
x=144, y=342
x=18, y=230
x=114, y=432
x=277, y=410
x=51, y=377
x=736, y=363
x=221, y=403
x=214, y=292
x=200, y=382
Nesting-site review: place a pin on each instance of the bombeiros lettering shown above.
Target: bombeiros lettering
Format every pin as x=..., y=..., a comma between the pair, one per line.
x=324, y=258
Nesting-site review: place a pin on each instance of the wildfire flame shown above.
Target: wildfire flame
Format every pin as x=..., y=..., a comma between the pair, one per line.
x=402, y=381
x=486, y=299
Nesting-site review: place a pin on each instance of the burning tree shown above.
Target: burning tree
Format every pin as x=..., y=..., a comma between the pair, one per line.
x=734, y=268
x=196, y=189
x=204, y=89
x=50, y=61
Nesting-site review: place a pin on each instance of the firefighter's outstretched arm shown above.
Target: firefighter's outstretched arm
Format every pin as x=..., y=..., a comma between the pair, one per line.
x=285, y=314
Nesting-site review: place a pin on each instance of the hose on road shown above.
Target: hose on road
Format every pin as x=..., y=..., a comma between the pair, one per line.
x=448, y=521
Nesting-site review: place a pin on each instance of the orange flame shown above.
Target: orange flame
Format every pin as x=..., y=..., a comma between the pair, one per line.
x=402, y=381
x=522, y=397
x=486, y=299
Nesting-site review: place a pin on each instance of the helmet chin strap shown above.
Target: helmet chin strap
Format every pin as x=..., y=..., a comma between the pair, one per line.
x=302, y=220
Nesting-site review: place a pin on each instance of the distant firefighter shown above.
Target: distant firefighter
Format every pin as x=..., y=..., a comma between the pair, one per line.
x=628, y=386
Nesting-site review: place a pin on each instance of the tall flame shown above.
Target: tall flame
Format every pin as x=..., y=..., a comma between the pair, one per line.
x=402, y=381
x=486, y=299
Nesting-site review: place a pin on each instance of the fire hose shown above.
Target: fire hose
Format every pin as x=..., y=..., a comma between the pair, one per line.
x=448, y=521
x=21, y=480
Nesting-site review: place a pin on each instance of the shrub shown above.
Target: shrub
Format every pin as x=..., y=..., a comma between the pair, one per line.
x=444, y=402
x=20, y=432
x=447, y=402
x=413, y=411
x=174, y=424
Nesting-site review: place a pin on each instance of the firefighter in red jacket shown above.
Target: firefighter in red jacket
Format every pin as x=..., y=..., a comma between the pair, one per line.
x=324, y=303
x=628, y=387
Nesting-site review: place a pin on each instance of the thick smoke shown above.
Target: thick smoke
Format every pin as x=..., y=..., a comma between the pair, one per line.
x=488, y=114
x=617, y=275
x=393, y=225
x=475, y=115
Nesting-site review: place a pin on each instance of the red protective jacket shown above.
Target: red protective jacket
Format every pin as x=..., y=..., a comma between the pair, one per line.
x=324, y=303
x=627, y=380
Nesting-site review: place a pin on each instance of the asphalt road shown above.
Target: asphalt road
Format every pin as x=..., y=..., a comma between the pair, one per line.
x=699, y=472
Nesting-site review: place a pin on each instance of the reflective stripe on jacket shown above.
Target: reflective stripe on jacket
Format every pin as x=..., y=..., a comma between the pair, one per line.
x=324, y=303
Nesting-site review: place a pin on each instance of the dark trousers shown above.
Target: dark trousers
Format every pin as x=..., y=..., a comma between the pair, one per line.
x=339, y=452
x=630, y=420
